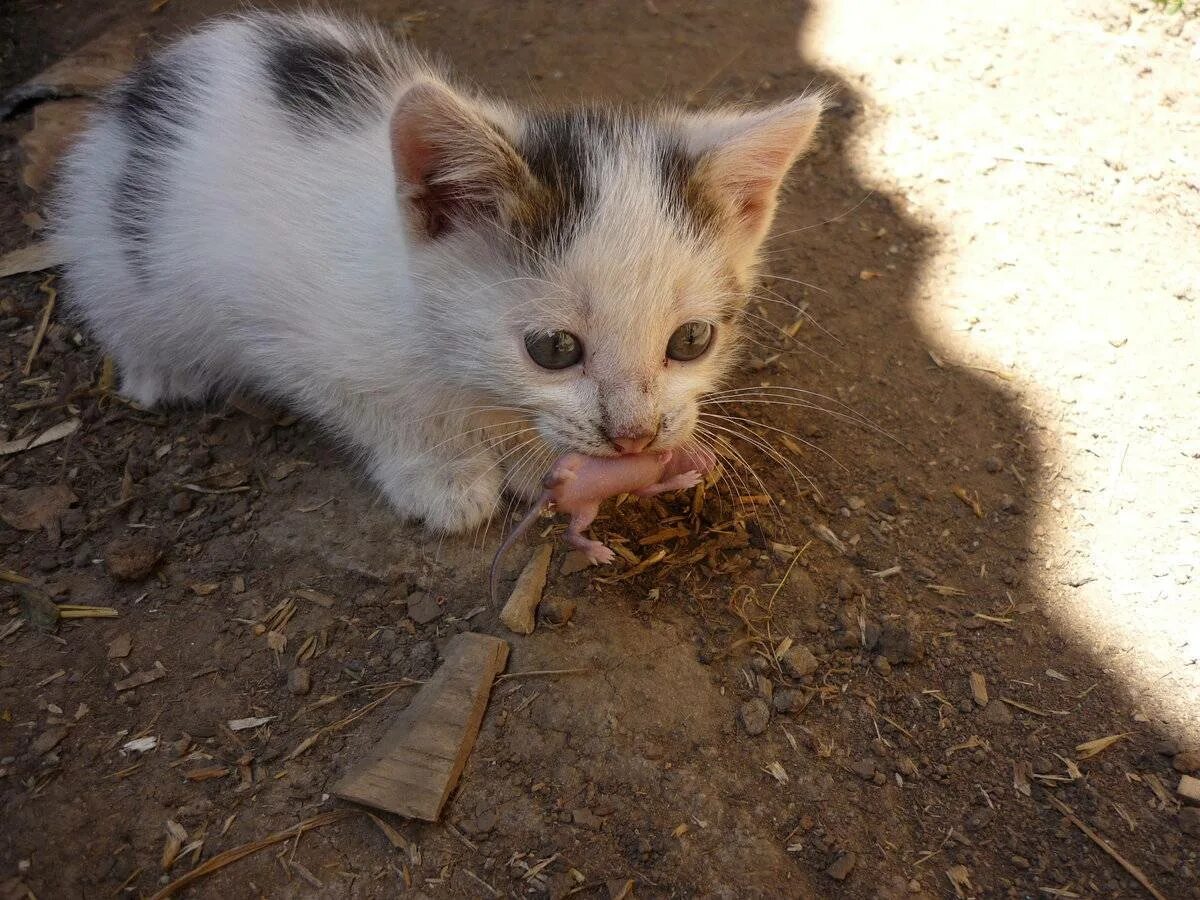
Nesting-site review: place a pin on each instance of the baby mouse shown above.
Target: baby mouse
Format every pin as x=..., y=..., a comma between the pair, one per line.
x=578, y=484
x=461, y=290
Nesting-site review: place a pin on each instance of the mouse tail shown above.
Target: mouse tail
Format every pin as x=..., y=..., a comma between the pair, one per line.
x=521, y=527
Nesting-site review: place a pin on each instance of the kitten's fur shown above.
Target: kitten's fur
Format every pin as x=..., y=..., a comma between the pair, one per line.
x=294, y=205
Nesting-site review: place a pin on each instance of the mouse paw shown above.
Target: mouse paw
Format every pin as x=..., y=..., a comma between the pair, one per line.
x=688, y=479
x=598, y=554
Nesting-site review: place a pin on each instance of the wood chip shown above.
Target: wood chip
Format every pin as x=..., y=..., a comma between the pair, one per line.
x=518, y=614
x=252, y=722
x=412, y=771
x=55, y=126
x=206, y=773
x=119, y=647
x=137, y=679
x=1189, y=787
x=1088, y=749
x=979, y=691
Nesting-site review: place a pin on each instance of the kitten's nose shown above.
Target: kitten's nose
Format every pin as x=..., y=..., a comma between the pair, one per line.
x=633, y=443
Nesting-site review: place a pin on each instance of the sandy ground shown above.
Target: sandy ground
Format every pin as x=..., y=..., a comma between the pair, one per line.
x=996, y=236
x=1065, y=192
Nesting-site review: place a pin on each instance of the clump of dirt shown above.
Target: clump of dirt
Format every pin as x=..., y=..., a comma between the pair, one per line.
x=839, y=679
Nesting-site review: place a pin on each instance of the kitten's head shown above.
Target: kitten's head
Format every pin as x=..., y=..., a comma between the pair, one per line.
x=590, y=266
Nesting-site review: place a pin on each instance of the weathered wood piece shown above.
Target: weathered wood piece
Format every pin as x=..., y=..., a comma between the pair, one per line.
x=518, y=612
x=416, y=765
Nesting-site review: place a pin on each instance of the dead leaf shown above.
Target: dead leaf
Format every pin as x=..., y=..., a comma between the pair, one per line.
x=176, y=837
x=35, y=508
x=1088, y=749
x=84, y=73
x=119, y=647
x=206, y=588
x=53, y=433
x=137, y=679
x=55, y=126
x=34, y=258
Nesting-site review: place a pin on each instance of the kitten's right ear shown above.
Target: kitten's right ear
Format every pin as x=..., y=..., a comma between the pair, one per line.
x=451, y=163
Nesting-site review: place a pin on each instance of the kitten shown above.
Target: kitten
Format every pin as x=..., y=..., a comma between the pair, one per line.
x=460, y=289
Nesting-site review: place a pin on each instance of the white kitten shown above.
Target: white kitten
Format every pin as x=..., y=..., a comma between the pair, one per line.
x=296, y=206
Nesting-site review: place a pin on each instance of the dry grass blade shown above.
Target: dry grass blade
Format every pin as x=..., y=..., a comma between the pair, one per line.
x=221, y=860
x=43, y=324
x=1104, y=845
x=341, y=723
x=84, y=611
x=1088, y=749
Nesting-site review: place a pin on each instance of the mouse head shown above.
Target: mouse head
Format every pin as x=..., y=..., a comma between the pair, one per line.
x=589, y=266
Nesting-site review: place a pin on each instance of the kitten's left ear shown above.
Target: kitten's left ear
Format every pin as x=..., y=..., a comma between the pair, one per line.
x=744, y=157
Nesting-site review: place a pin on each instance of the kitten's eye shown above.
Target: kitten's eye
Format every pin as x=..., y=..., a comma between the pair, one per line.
x=689, y=341
x=554, y=349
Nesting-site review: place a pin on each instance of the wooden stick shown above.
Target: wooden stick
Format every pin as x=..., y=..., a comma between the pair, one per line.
x=1106, y=847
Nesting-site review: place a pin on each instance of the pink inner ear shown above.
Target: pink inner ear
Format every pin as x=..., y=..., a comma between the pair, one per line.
x=412, y=152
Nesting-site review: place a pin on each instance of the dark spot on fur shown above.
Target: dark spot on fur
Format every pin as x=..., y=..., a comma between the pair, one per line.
x=558, y=148
x=562, y=148
x=319, y=80
x=684, y=191
x=152, y=106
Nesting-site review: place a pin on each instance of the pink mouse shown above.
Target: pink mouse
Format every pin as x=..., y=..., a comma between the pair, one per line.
x=577, y=484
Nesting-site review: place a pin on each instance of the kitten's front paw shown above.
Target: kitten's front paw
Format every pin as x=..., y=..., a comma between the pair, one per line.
x=687, y=480
x=446, y=500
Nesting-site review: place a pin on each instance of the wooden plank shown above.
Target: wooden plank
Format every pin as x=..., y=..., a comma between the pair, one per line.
x=416, y=765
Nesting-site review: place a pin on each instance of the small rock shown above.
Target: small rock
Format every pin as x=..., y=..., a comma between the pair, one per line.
x=422, y=659
x=881, y=665
x=180, y=503
x=423, y=608
x=1166, y=747
x=48, y=740
x=787, y=700
x=964, y=706
x=798, y=662
x=899, y=644
x=996, y=713
x=864, y=769
x=993, y=464
x=574, y=562
x=1187, y=762
x=842, y=866
x=555, y=611
x=907, y=767
x=1010, y=505
x=755, y=715
x=132, y=558
x=845, y=590
x=387, y=639
x=1189, y=820
x=586, y=819
x=299, y=681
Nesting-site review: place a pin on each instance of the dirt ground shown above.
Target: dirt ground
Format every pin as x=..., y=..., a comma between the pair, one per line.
x=996, y=245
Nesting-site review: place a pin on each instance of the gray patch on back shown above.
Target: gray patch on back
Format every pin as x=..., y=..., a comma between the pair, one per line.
x=152, y=106
x=321, y=81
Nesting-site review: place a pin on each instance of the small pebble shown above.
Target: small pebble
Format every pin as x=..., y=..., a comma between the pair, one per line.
x=798, y=662
x=754, y=716
x=881, y=665
x=180, y=503
x=842, y=866
x=993, y=464
x=996, y=713
x=1187, y=762
x=299, y=681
